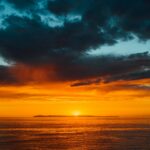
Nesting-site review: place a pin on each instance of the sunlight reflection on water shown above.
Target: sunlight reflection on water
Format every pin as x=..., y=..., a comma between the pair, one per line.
x=74, y=133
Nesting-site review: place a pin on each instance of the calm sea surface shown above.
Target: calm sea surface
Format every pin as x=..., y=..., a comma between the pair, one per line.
x=74, y=133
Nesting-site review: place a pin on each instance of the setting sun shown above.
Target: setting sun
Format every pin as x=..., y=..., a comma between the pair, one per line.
x=76, y=113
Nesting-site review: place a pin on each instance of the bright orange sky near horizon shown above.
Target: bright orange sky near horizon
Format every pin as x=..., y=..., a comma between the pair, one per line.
x=62, y=99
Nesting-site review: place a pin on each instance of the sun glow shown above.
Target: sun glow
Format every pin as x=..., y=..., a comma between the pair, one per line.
x=76, y=113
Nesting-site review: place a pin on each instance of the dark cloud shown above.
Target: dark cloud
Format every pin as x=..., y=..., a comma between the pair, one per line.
x=84, y=71
x=65, y=7
x=110, y=68
x=22, y=4
x=130, y=76
x=6, y=77
x=137, y=86
x=114, y=17
x=27, y=39
x=30, y=41
x=60, y=7
x=85, y=83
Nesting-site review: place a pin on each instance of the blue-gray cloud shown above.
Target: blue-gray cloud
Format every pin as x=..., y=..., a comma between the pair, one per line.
x=58, y=33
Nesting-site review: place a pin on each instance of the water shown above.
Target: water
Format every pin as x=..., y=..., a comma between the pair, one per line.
x=74, y=133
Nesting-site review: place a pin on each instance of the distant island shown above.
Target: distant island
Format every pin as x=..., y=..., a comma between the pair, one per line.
x=40, y=116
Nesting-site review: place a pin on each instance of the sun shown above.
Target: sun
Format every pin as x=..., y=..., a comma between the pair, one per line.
x=76, y=113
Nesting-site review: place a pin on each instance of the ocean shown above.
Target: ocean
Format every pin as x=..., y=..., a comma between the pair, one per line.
x=75, y=133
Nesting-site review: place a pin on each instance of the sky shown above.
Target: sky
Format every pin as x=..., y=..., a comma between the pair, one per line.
x=60, y=57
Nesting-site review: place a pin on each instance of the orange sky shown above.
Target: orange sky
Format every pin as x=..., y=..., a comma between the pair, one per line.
x=62, y=99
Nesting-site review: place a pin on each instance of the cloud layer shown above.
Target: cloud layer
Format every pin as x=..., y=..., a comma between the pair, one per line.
x=49, y=40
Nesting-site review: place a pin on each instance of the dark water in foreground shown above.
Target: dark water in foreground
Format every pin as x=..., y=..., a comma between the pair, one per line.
x=74, y=133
